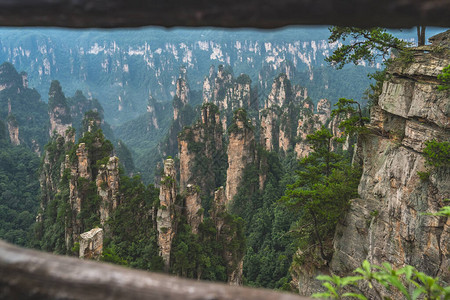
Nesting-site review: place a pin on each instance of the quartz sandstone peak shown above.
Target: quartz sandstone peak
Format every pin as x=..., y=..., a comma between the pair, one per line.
x=199, y=146
x=108, y=188
x=91, y=244
x=194, y=210
x=241, y=152
x=13, y=129
x=166, y=211
x=389, y=222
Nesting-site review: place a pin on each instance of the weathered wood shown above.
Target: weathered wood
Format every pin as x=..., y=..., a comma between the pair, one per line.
x=230, y=13
x=29, y=274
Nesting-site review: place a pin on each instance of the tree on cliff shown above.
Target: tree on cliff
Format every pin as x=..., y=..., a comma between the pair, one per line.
x=365, y=45
x=321, y=192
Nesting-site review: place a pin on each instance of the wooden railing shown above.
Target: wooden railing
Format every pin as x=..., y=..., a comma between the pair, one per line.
x=230, y=13
x=30, y=274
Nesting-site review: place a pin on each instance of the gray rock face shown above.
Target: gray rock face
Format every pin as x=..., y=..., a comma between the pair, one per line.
x=389, y=222
x=166, y=211
x=91, y=244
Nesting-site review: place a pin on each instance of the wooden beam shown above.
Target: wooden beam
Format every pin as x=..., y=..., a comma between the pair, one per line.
x=230, y=13
x=30, y=274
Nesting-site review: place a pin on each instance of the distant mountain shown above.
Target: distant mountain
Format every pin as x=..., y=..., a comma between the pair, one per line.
x=122, y=68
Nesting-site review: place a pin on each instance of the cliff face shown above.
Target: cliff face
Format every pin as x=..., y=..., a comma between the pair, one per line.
x=91, y=244
x=166, y=211
x=58, y=110
x=183, y=115
x=80, y=175
x=22, y=109
x=201, y=150
x=194, y=210
x=13, y=129
x=107, y=182
x=233, y=259
x=241, y=152
x=228, y=93
x=389, y=221
x=288, y=117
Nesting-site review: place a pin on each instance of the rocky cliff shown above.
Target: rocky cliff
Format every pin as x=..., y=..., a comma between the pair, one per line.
x=288, y=117
x=389, y=222
x=241, y=152
x=22, y=109
x=166, y=212
x=13, y=129
x=194, y=210
x=201, y=151
x=225, y=231
x=82, y=180
x=58, y=110
x=228, y=93
x=107, y=182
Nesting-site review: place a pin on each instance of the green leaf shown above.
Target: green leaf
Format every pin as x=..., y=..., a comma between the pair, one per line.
x=321, y=295
x=330, y=288
x=359, y=296
x=324, y=277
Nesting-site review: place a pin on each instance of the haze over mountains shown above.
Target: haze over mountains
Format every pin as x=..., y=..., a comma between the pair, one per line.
x=123, y=68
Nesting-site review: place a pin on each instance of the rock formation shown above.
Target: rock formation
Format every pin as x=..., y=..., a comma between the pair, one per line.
x=288, y=117
x=200, y=148
x=182, y=95
x=388, y=223
x=13, y=129
x=233, y=259
x=241, y=152
x=80, y=176
x=219, y=208
x=107, y=182
x=91, y=244
x=194, y=210
x=166, y=211
x=58, y=110
x=228, y=93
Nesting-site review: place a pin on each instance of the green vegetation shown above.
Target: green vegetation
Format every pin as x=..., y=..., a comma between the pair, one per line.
x=24, y=105
x=353, y=121
x=132, y=238
x=201, y=255
x=321, y=193
x=19, y=190
x=405, y=282
x=445, y=78
x=270, y=247
x=365, y=44
x=437, y=154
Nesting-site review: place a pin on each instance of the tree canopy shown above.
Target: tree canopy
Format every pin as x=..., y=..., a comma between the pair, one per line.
x=362, y=45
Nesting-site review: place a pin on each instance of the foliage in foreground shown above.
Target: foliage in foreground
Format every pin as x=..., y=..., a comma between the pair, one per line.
x=445, y=78
x=406, y=281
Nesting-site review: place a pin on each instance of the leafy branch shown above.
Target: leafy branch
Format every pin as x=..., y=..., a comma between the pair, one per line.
x=365, y=45
x=411, y=283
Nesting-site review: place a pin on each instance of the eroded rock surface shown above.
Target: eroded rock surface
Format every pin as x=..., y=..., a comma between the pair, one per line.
x=389, y=223
x=166, y=211
x=91, y=244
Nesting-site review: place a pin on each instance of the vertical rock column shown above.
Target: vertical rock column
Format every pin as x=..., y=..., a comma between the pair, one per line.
x=78, y=169
x=165, y=216
x=91, y=244
x=13, y=129
x=235, y=261
x=194, y=210
x=108, y=187
x=241, y=152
